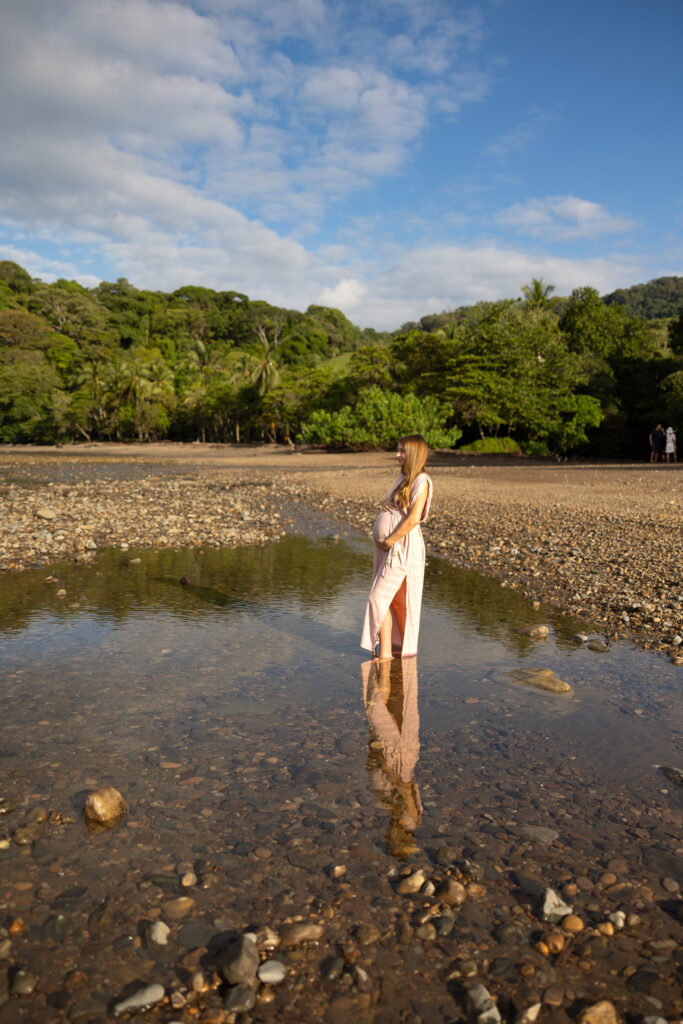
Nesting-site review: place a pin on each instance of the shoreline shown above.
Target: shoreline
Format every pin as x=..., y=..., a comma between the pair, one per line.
x=562, y=534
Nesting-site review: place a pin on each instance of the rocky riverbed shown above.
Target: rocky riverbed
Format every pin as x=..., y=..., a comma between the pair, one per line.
x=270, y=865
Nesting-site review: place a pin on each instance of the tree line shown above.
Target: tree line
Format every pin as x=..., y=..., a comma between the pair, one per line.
x=538, y=374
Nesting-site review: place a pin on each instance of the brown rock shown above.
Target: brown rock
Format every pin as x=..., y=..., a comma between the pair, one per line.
x=301, y=931
x=572, y=924
x=535, y=632
x=104, y=807
x=175, y=909
x=599, y=1013
x=452, y=893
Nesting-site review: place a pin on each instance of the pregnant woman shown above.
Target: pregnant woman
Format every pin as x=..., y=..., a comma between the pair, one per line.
x=392, y=616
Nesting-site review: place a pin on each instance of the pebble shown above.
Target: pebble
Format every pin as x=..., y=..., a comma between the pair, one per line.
x=272, y=972
x=553, y=908
x=598, y=645
x=529, y=1015
x=105, y=807
x=304, y=931
x=573, y=924
x=159, y=932
x=177, y=908
x=367, y=934
x=240, y=999
x=481, y=1007
x=143, y=999
x=603, y=1012
x=535, y=632
x=239, y=963
x=540, y=679
x=411, y=884
x=452, y=893
x=23, y=983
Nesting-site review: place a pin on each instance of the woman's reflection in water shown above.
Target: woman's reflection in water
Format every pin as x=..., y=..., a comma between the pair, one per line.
x=390, y=697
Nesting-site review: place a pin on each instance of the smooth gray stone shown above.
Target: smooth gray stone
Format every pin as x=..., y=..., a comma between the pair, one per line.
x=195, y=934
x=540, y=833
x=272, y=972
x=481, y=1007
x=240, y=999
x=240, y=962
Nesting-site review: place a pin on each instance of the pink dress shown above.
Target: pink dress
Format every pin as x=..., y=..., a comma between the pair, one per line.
x=398, y=575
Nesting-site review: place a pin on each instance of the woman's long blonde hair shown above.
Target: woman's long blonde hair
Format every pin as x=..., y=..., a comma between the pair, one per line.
x=416, y=456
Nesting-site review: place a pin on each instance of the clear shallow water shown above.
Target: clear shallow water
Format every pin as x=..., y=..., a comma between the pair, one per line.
x=224, y=694
x=259, y=645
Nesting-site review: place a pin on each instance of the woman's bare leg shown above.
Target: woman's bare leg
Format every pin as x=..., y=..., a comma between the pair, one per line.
x=385, y=636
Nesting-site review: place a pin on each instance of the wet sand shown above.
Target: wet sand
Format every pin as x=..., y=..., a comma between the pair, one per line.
x=601, y=541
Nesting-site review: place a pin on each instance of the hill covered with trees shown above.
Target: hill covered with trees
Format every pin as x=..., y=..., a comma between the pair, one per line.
x=656, y=300
x=537, y=374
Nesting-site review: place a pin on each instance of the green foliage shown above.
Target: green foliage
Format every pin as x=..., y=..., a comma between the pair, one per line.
x=676, y=335
x=537, y=294
x=118, y=362
x=492, y=446
x=672, y=387
x=378, y=420
x=657, y=299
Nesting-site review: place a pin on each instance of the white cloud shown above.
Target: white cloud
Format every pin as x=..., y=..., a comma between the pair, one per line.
x=563, y=217
x=433, y=279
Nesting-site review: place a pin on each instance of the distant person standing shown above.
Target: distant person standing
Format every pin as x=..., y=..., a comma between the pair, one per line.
x=670, y=448
x=656, y=442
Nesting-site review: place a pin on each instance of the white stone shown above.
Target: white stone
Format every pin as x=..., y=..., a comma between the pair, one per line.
x=618, y=919
x=554, y=908
x=141, y=1000
x=159, y=933
x=530, y=1015
x=272, y=972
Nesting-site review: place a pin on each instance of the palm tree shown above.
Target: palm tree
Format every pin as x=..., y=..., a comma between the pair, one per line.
x=537, y=294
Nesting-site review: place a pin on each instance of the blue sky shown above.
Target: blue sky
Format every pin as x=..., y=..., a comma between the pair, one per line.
x=389, y=157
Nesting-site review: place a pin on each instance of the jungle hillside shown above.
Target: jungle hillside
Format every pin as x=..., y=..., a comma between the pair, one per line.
x=536, y=373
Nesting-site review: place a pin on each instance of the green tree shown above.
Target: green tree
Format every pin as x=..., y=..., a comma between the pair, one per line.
x=537, y=294
x=378, y=420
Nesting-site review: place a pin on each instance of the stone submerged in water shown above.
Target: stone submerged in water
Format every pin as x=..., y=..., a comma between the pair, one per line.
x=553, y=909
x=674, y=775
x=272, y=972
x=599, y=646
x=540, y=679
x=481, y=1007
x=302, y=931
x=535, y=631
x=599, y=1013
x=240, y=962
x=140, y=1000
x=104, y=807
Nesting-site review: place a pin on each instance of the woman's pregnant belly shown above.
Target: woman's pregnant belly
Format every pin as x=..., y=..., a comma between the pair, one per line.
x=385, y=523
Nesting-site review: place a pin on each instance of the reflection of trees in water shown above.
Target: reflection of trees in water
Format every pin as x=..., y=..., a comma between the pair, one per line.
x=494, y=611
x=311, y=572
x=390, y=698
